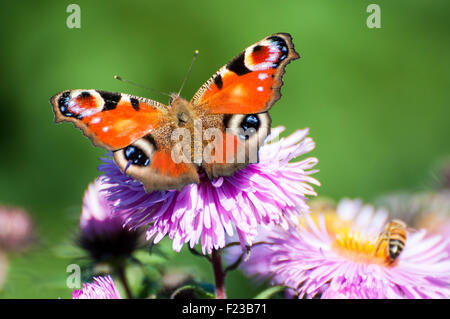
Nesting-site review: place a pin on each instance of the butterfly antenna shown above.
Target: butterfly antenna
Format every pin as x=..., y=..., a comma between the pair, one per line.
x=138, y=85
x=189, y=71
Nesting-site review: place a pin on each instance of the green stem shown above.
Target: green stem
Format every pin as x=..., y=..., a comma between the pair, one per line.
x=124, y=281
x=219, y=274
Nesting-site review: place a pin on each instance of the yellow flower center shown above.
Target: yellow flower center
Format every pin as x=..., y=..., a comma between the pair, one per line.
x=359, y=248
x=351, y=244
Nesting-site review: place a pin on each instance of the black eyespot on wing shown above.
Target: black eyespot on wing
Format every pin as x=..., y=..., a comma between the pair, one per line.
x=250, y=125
x=136, y=156
x=134, y=103
x=111, y=100
x=218, y=81
x=282, y=46
x=280, y=42
x=62, y=104
x=238, y=65
x=250, y=121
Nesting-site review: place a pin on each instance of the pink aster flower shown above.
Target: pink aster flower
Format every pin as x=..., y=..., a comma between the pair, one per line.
x=101, y=288
x=332, y=254
x=268, y=192
x=102, y=234
x=16, y=229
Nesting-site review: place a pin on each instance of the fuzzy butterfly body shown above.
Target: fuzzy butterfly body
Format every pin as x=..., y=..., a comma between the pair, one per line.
x=229, y=111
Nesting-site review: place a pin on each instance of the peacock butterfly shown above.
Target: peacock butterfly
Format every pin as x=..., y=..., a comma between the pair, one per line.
x=230, y=110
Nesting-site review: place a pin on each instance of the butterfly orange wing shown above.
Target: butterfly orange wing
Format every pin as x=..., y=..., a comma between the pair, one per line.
x=251, y=82
x=110, y=120
x=136, y=129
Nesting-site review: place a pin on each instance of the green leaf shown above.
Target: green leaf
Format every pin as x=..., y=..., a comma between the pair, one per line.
x=197, y=289
x=269, y=292
x=67, y=249
x=149, y=259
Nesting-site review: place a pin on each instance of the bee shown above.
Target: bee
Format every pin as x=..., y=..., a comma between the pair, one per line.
x=394, y=234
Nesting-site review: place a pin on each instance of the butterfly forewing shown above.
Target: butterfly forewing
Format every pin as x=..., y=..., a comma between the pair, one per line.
x=251, y=82
x=110, y=120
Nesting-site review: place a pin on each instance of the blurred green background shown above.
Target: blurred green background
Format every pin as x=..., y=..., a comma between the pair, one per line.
x=376, y=100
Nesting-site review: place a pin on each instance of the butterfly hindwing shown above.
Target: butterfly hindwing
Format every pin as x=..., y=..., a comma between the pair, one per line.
x=238, y=138
x=150, y=160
